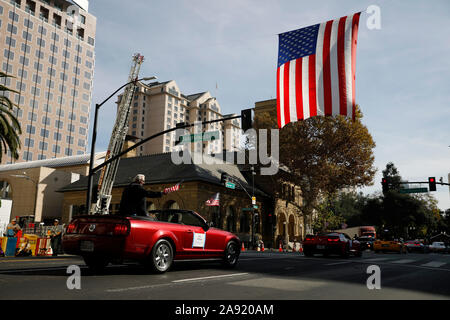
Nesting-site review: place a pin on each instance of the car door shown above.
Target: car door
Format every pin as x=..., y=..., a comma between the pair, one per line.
x=195, y=237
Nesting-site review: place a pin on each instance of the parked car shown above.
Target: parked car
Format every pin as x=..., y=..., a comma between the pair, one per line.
x=394, y=245
x=366, y=242
x=156, y=241
x=331, y=243
x=416, y=246
x=438, y=247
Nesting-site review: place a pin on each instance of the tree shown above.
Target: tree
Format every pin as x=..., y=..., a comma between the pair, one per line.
x=324, y=155
x=9, y=125
x=393, y=177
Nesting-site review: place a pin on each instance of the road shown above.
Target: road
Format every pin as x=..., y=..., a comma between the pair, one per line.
x=258, y=276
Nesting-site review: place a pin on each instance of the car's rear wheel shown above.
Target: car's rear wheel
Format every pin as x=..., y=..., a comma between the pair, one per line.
x=346, y=252
x=162, y=256
x=231, y=255
x=96, y=264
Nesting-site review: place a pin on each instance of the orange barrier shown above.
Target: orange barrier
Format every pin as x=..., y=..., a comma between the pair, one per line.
x=43, y=247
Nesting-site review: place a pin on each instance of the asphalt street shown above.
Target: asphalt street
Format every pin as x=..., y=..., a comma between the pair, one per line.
x=258, y=276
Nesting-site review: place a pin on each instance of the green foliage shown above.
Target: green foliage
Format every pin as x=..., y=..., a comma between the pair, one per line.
x=9, y=125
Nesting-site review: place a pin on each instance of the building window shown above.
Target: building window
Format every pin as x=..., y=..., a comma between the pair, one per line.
x=27, y=156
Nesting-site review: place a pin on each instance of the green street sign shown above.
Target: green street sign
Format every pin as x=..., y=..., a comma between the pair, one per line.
x=247, y=209
x=414, y=190
x=195, y=137
x=255, y=207
x=230, y=185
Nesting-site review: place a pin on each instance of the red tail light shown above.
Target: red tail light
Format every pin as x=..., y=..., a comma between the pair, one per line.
x=71, y=228
x=308, y=239
x=333, y=239
x=120, y=229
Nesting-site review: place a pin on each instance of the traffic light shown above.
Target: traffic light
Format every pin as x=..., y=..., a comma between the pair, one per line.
x=385, y=184
x=256, y=218
x=246, y=119
x=432, y=183
x=223, y=178
x=104, y=202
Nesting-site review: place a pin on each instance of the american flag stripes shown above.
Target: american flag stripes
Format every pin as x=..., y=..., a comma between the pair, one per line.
x=316, y=70
x=173, y=188
x=214, y=201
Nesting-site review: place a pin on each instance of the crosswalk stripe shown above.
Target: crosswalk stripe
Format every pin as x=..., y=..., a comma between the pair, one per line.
x=377, y=259
x=434, y=264
x=403, y=261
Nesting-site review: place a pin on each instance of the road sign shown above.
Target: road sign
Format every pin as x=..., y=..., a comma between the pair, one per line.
x=195, y=137
x=255, y=207
x=247, y=209
x=414, y=190
x=230, y=185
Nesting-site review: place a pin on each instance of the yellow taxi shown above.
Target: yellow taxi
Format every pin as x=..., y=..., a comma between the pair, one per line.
x=389, y=246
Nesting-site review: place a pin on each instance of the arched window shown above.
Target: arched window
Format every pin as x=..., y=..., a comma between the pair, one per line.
x=171, y=205
x=230, y=220
x=5, y=190
x=151, y=206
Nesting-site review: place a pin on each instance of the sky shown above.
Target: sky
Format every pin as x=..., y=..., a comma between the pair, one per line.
x=230, y=48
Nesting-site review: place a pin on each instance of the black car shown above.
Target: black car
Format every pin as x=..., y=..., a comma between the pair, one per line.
x=366, y=242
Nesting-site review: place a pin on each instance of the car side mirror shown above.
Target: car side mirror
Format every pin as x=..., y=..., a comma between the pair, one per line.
x=205, y=226
x=211, y=224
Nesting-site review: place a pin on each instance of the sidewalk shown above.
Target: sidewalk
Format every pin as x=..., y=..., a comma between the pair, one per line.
x=59, y=256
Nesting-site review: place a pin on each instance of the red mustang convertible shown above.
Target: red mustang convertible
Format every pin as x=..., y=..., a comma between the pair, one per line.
x=157, y=240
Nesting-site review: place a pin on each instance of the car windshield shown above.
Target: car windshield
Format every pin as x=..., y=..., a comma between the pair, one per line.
x=177, y=216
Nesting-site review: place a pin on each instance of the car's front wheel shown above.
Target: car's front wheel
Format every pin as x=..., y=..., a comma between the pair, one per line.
x=162, y=256
x=231, y=255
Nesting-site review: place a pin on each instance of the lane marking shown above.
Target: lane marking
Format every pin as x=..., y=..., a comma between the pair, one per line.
x=434, y=264
x=175, y=281
x=337, y=263
x=211, y=277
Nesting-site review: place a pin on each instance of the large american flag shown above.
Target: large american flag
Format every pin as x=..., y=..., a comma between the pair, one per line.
x=316, y=70
x=214, y=201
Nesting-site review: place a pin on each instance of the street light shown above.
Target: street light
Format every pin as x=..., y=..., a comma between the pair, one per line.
x=94, y=138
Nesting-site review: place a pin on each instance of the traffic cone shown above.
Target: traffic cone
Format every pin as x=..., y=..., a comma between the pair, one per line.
x=262, y=247
x=293, y=248
x=301, y=249
x=243, y=248
x=280, y=249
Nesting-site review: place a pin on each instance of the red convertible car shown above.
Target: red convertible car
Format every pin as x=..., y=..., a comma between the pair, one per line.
x=156, y=241
x=333, y=242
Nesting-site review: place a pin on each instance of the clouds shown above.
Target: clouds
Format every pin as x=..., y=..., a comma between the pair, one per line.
x=401, y=77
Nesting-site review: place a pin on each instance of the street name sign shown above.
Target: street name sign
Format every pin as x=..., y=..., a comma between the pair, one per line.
x=195, y=137
x=230, y=185
x=414, y=190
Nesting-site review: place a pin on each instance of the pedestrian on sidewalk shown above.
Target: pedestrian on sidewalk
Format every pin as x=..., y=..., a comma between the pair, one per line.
x=13, y=228
x=55, y=237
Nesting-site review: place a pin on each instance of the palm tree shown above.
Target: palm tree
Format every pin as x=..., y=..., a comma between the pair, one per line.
x=9, y=125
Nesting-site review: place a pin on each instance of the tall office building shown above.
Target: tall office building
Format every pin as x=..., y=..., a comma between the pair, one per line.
x=159, y=106
x=51, y=57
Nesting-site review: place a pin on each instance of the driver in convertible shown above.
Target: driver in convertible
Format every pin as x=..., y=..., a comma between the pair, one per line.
x=134, y=198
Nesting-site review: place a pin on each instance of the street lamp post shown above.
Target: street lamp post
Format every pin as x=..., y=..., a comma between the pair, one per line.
x=94, y=139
